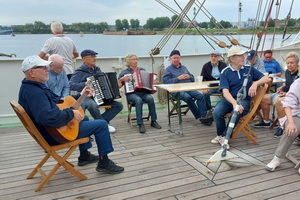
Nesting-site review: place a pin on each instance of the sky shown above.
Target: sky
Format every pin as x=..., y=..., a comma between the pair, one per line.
x=20, y=12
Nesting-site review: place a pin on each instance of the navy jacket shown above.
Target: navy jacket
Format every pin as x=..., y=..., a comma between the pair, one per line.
x=40, y=104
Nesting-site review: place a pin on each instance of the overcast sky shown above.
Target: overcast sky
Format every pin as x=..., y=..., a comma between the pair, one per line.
x=19, y=12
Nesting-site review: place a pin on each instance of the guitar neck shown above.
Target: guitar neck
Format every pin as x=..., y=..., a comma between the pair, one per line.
x=79, y=101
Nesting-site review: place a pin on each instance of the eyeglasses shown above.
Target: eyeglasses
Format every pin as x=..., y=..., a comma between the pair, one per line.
x=290, y=63
x=133, y=59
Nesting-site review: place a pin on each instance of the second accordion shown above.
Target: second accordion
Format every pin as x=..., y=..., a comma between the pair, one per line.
x=105, y=87
x=140, y=80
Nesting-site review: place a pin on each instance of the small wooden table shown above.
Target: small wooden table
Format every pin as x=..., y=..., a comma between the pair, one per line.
x=183, y=87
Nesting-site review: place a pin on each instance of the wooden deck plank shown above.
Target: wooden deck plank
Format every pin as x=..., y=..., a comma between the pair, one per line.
x=158, y=165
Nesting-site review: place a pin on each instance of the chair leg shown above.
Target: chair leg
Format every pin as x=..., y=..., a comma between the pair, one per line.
x=129, y=106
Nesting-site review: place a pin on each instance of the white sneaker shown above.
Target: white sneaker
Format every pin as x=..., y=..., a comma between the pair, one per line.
x=217, y=140
x=275, y=162
x=222, y=142
x=111, y=129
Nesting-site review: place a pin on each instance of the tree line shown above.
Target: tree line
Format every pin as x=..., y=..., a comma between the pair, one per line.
x=152, y=24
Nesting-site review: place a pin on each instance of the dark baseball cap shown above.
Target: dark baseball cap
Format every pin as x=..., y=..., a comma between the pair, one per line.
x=250, y=54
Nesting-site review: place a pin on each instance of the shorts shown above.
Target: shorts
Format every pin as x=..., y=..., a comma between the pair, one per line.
x=274, y=98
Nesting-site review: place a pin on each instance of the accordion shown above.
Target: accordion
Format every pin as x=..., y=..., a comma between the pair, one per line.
x=105, y=87
x=140, y=80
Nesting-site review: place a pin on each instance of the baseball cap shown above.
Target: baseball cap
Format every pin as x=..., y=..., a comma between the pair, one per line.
x=234, y=50
x=32, y=61
x=215, y=52
x=175, y=52
x=88, y=52
x=251, y=54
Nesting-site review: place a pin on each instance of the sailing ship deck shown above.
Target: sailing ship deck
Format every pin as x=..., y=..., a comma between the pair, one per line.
x=158, y=165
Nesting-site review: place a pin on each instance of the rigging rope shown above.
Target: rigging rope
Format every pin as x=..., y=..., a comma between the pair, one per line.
x=288, y=17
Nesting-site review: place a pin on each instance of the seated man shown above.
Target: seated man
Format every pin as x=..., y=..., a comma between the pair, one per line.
x=40, y=104
x=271, y=65
x=231, y=81
x=210, y=72
x=292, y=125
x=178, y=73
x=291, y=74
x=138, y=97
x=58, y=81
x=77, y=83
x=256, y=61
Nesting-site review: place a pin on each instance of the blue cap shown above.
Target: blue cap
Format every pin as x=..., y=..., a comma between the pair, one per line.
x=250, y=54
x=175, y=52
x=88, y=52
x=215, y=52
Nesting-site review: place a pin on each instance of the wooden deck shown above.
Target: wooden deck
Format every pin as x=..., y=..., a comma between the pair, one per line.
x=158, y=165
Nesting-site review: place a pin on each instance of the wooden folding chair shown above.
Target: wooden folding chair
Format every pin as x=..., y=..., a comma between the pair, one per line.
x=243, y=125
x=49, y=150
x=131, y=105
x=175, y=108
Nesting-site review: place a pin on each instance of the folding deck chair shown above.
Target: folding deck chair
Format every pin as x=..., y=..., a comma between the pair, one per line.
x=50, y=151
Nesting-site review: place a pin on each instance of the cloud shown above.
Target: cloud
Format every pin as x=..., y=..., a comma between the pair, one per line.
x=21, y=12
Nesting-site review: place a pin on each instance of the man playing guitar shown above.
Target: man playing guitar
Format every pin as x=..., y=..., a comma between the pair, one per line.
x=40, y=104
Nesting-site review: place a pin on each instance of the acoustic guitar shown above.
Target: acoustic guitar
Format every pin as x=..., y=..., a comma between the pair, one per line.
x=70, y=131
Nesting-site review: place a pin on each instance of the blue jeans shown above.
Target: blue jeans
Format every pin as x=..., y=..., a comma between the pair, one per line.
x=222, y=108
x=99, y=129
x=207, y=97
x=108, y=115
x=190, y=98
x=138, y=98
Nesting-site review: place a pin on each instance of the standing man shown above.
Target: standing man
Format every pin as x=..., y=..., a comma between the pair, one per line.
x=178, y=73
x=61, y=45
x=40, y=104
x=231, y=81
x=255, y=61
x=58, y=81
x=77, y=83
x=210, y=72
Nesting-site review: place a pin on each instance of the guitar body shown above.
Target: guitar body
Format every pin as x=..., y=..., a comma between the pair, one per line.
x=70, y=131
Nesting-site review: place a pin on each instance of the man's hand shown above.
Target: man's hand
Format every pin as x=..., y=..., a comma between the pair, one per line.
x=87, y=90
x=291, y=128
x=77, y=115
x=184, y=77
x=252, y=89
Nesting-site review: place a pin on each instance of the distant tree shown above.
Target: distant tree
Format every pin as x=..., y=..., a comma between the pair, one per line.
x=125, y=24
x=119, y=25
x=203, y=25
x=150, y=24
x=162, y=22
x=292, y=22
x=134, y=24
x=101, y=27
x=39, y=27
x=226, y=24
x=174, y=17
x=212, y=23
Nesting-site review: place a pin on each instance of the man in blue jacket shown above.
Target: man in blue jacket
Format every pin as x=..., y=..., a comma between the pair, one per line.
x=77, y=83
x=178, y=73
x=40, y=104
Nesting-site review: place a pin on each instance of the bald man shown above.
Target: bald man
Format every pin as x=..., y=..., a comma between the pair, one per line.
x=58, y=81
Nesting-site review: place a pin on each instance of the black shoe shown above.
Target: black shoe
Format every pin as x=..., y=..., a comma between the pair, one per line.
x=278, y=132
x=206, y=119
x=155, y=125
x=142, y=128
x=111, y=168
x=262, y=124
x=207, y=123
x=91, y=158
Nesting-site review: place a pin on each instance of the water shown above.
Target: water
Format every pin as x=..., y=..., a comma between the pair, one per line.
x=120, y=45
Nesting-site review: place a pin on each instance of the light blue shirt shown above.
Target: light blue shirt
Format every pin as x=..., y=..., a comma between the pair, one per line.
x=215, y=72
x=59, y=84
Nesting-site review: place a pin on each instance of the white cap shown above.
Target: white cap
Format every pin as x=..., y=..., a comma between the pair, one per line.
x=234, y=50
x=32, y=61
